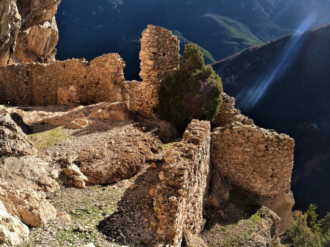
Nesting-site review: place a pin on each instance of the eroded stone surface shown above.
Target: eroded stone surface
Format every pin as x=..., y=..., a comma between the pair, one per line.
x=255, y=159
x=30, y=206
x=65, y=82
x=28, y=31
x=27, y=173
x=159, y=56
x=178, y=198
x=12, y=230
x=12, y=139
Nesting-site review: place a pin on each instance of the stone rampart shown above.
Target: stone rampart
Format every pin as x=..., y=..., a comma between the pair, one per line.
x=70, y=81
x=178, y=198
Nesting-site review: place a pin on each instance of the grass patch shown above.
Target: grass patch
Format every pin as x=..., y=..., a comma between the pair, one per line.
x=46, y=139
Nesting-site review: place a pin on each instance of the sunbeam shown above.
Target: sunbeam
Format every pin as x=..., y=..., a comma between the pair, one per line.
x=249, y=98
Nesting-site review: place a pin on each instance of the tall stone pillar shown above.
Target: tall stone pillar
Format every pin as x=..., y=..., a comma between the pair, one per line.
x=159, y=56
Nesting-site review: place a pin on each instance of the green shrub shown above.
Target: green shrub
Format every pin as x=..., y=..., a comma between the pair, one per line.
x=193, y=91
x=299, y=234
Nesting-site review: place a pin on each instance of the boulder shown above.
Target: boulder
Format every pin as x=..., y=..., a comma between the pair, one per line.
x=12, y=230
x=27, y=172
x=30, y=206
x=282, y=205
x=12, y=139
x=265, y=233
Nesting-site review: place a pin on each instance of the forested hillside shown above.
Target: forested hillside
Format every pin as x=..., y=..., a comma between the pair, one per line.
x=222, y=28
x=284, y=85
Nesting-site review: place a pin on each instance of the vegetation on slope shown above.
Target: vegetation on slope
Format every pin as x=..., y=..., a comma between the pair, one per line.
x=284, y=85
x=193, y=91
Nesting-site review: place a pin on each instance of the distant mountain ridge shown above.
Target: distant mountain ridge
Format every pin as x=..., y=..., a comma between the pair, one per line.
x=284, y=85
x=91, y=28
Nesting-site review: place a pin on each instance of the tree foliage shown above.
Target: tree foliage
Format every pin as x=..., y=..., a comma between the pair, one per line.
x=193, y=91
x=299, y=234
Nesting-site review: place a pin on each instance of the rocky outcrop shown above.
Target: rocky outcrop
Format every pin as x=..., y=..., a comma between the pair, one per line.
x=28, y=31
x=179, y=197
x=12, y=139
x=10, y=23
x=159, y=56
x=12, y=230
x=27, y=173
x=281, y=204
x=265, y=233
x=30, y=206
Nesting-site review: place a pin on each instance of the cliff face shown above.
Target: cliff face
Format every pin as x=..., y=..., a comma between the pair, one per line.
x=28, y=31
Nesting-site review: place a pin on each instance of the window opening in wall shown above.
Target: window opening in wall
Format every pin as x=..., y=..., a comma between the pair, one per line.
x=154, y=53
x=164, y=54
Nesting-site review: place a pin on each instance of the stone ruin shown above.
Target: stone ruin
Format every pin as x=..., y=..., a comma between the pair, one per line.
x=81, y=82
x=237, y=152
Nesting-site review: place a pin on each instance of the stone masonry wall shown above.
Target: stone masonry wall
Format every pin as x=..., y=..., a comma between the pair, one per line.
x=255, y=159
x=159, y=56
x=178, y=198
x=70, y=81
x=228, y=113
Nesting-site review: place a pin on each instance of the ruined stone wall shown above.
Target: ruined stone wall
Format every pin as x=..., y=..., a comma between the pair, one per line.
x=178, y=198
x=159, y=56
x=228, y=113
x=70, y=81
x=255, y=159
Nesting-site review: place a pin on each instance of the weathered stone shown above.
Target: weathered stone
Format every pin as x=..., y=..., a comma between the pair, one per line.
x=65, y=82
x=28, y=33
x=30, y=206
x=228, y=113
x=159, y=56
x=12, y=139
x=265, y=234
x=179, y=197
x=12, y=230
x=192, y=240
x=281, y=204
x=219, y=189
x=27, y=173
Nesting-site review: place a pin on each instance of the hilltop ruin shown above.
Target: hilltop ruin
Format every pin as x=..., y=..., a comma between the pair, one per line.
x=237, y=152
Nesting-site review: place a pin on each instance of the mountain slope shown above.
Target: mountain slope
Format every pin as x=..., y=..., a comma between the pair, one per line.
x=284, y=85
x=90, y=28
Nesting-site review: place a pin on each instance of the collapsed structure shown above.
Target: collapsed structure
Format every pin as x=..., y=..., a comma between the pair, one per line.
x=254, y=159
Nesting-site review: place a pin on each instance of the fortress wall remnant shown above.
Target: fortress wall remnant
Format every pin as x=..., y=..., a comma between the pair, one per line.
x=63, y=82
x=254, y=159
x=159, y=56
x=178, y=198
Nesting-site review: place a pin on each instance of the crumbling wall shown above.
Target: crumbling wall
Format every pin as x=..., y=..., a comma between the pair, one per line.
x=228, y=113
x=178, y=198
x=70, y=81
x=159, y=56
x=254, y=159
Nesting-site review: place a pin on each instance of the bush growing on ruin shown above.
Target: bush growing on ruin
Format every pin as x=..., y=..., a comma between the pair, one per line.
x=193, y=91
